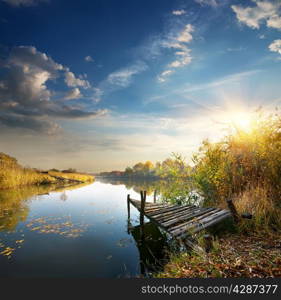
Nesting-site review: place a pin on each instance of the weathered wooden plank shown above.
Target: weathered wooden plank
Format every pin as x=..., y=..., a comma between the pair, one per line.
x=165, y=209
x=185, y=217
x=207, y=219
x=154, y=209
x=178, y=214
x=204, y=226
x=171, y=213
x=213, y=222
x=196, y=219
x=153, y=205
x=147, y=204
x=190, y=223
x=137, y=204
x=194, y=224
x=179, y=220
x=169, y=209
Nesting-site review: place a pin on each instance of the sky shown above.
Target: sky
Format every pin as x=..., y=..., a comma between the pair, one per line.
x=100, y=85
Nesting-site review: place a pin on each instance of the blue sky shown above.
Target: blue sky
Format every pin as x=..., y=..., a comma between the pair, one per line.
x=99, y=85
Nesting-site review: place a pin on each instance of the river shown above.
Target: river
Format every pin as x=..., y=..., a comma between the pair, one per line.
x=79, y=232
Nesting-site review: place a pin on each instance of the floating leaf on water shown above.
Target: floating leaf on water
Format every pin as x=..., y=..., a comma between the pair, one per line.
x=8, y=251
x=64, y=228
x=110, y=221
x=19, y=241
x=124, y=242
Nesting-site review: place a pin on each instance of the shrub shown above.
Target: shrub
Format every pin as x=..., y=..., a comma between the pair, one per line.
x=244, y=166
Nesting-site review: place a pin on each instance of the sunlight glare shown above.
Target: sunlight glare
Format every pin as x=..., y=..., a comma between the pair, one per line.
x=240, y=120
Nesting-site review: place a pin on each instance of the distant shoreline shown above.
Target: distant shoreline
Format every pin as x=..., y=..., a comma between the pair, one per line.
x=13, y=175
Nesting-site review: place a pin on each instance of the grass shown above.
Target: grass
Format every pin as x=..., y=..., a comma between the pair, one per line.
x=13, y=175
x=79, y=177
x=244, y=166
x=233, y=256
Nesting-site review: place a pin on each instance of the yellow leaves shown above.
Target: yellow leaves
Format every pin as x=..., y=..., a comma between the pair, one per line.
x=239, y=256
x=35, y=228
x=19, y=241
x=59, y=226
x=7, y=252
x=238, y=262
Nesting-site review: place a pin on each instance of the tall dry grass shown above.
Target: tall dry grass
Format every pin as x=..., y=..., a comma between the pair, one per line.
x=80, y=177
x=246, y=167
x=14, y=175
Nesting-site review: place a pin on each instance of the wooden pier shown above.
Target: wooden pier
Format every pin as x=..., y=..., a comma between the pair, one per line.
x=180, y=221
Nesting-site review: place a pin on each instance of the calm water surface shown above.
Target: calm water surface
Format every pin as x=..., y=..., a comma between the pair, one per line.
x=80, y=231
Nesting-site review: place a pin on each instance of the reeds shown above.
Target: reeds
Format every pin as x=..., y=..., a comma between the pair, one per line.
x=13, y=175
x=246, y=167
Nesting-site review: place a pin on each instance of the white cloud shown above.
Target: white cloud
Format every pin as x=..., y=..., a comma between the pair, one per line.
x=98, y=93
x=263, y=11
x=89, y=58
x=207, y=2
x=73, y=81
x=73, y=94
x=119, y=79
x=178, y=42
x=236, y=49
x=237, y=77
x=179, y=12
x=28, y=70
x=175, y=64
x=123, y=77
x=185, y=36
x=164, y=74
x=23, y=2
x=26, y=101
x=274, y=22
x=275, y=46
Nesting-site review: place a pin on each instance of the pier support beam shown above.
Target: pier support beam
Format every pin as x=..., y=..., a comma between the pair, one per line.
x=128, y=205
x=154, y=196
x=233, y=211
x=129, y=215
x=208, y=242
x=143, y=199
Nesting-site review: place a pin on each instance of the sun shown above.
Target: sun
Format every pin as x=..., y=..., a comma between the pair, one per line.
x=240, y=120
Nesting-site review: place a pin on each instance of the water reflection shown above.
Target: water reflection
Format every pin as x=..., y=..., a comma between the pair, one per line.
x=152, y=245
x=137, y=185
x=77, y=231
x=14, y=202
x=169, y=191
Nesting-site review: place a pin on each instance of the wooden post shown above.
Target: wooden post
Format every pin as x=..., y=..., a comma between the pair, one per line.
x=154, y=196
x=143, y=199
x=129, y=215
x=208, y=242
x=233, y=210
x=128, y=205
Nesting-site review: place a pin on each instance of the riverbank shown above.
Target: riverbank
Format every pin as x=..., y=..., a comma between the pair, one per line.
x=234, y=255
x=13, y=175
